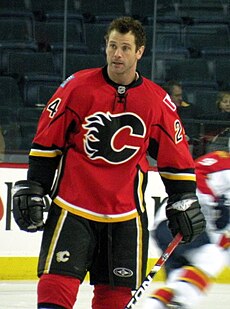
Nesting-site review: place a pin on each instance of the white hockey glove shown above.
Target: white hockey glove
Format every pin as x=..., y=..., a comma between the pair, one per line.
x=184, y=214
x=28, y=205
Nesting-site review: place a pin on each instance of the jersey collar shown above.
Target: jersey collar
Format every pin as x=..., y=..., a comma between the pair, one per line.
x=133, y=84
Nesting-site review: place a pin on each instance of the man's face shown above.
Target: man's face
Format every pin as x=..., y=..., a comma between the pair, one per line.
x=176, y=95
x=121, y=53
x=225, y=103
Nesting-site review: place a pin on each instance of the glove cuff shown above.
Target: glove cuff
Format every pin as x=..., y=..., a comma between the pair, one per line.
x=29, y=187
x=181, y=196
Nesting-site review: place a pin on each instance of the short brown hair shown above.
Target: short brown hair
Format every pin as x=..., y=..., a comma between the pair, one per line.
x=126, y=24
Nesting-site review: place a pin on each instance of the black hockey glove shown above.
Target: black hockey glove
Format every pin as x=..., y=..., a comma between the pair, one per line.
x=184, y=214
x=222, y=213
x=28, y=205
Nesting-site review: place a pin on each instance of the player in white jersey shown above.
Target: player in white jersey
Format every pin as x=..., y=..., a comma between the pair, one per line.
x=192, y=267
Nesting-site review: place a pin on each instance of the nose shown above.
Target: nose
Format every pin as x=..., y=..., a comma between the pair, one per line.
x=117, y=52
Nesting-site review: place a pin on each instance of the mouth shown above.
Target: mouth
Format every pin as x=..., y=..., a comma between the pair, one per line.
x=116, y=63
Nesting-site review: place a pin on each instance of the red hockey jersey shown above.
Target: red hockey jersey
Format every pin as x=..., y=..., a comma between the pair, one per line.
x=96, y=133
x=213, y=173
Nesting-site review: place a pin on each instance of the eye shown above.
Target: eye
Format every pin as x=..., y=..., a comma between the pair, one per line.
x=112, y=46
x=125, y=48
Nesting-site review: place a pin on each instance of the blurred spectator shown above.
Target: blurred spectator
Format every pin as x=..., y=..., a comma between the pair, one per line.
x=2, y=146
x=216, y=127
x=223, y=103
x=174, y=89
x=186, y=110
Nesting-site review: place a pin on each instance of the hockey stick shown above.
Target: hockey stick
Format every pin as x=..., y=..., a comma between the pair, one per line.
x=148, y=279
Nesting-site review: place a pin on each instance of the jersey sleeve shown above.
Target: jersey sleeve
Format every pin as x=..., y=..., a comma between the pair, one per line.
x=202, y=166
x=213, y=173
x=58, y=122
x=174, y=160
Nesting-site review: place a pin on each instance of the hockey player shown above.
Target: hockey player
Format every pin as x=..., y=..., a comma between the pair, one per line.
x=192, y=267
x=93, y=136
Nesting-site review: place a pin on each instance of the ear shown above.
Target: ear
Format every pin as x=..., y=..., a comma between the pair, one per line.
x=140, y=52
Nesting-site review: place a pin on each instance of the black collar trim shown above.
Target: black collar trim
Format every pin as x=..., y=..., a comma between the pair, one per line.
x=133, y=84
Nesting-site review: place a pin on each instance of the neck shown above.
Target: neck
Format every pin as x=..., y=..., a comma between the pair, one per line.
x=121, y=79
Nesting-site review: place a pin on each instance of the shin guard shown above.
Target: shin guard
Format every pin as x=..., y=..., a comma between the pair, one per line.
x=57, y=290
x=106, y=297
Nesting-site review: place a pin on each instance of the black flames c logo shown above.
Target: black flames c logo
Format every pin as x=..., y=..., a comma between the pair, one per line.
x=104, y=130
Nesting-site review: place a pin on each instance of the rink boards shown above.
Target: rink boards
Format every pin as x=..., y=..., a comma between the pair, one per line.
x=24, y=268
x=19, y=250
